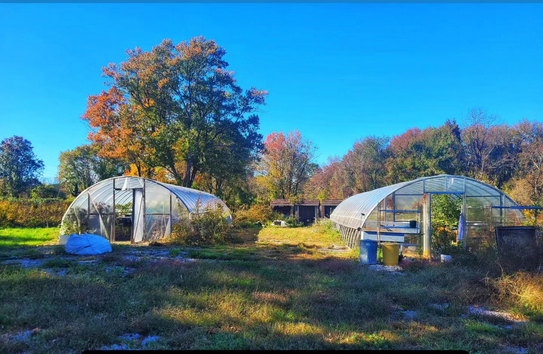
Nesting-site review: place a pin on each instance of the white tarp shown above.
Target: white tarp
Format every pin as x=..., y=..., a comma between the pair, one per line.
x=87, y=244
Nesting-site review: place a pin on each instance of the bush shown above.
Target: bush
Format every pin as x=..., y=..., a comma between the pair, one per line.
x=32, y=212
x=256, y=215
x=205, y=228
x=443, y=241
x=523, y=290
x=292, y=222
x=325, y=226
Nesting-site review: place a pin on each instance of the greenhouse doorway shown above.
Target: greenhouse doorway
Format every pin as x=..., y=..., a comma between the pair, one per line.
x=445, y=218
x=129, y=216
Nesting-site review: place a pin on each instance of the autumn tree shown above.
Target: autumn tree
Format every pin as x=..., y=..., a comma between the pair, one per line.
x=528, y=181
x=176, y=107
x=427, y=152
x=490, y=148
x=363, y=165
x=287, y=164
x=82, y=167
x=19, y=166
x=326, y=182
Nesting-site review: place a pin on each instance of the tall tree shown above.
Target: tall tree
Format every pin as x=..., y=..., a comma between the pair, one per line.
x=427, y=152
x=363, y=164
x=82, y=167
x=287, y=164
x=490, y=148
x=327, y=182
x=19, y=166
x=178, y=108
x=528, y=184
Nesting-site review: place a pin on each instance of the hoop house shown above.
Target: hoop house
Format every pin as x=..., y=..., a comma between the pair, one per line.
x=135, y=209
x=402, y=211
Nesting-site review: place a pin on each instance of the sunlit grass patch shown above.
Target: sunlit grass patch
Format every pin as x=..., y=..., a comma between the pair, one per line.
x=478, y=327
x=18, y=237
x=252, y=296
x=295, y=236
x=523, y=291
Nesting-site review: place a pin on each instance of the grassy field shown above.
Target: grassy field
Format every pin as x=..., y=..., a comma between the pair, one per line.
x=288, y=290
x=317, y=236
x=10, y=238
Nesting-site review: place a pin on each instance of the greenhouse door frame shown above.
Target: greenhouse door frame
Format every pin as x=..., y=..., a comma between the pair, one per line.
x=140, y=217
x=427, y=217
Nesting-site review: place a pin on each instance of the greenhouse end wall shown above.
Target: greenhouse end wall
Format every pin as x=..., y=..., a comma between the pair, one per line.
x=392, y=209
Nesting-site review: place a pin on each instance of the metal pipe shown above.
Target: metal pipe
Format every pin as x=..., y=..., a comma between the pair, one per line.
x=113, y=235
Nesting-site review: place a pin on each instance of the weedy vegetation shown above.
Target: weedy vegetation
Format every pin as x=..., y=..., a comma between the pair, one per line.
x=276, y=288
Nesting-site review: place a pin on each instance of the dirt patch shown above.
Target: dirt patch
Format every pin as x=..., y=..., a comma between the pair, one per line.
x=396, y=270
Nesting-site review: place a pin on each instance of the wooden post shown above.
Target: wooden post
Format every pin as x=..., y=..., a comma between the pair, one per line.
x=427, y=226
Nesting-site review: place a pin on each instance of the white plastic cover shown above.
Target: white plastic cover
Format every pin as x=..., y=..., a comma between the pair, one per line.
x=154, y=207
x=354, y=211
x=87, y=244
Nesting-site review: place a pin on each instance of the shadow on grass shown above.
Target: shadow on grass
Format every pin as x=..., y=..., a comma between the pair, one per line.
x=244, y=297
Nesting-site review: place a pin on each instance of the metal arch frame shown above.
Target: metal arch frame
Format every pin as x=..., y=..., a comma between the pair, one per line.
x=423, y=179
x=168, y=187
x=365, y=214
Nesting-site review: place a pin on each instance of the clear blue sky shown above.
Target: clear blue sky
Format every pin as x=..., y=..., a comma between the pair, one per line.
x=334, y=72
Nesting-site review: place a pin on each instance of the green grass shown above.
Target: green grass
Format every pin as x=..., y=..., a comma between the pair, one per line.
x=251, y=296
x=316, y=236
x=15, y=237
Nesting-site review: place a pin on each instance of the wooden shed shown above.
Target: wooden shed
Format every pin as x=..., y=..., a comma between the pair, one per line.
x=327, y=206
x=306, y=211
x=282, y=206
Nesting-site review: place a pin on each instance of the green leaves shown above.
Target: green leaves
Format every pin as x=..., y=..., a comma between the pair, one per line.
x=192, y=117
x=19, y=166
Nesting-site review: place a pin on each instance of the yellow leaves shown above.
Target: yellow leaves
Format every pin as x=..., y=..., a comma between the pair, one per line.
x=163, y=82
x=148, y=102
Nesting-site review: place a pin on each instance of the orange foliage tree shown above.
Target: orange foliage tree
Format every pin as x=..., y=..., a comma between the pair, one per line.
x=287, y=164
x=176, y=108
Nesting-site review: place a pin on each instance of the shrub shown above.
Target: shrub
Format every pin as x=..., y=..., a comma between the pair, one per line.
x=325, y=226
x=292, y=222
x=31, y=212
x=443, y=241
x=205, y=228
x=256, y=215
x=524, y=290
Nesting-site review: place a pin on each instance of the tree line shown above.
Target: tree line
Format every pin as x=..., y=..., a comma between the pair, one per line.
x=176, y=114
x=509, y=157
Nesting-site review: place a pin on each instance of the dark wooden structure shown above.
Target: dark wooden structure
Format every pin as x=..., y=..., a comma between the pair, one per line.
x=327, y=206
x=283, y=206
x=306, y=211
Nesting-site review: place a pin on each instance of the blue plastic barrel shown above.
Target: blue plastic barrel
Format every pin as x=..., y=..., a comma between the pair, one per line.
x=368, y=252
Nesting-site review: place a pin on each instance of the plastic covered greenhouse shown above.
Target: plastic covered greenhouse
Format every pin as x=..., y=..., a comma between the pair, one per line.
x=135, y=209
x=403, y=212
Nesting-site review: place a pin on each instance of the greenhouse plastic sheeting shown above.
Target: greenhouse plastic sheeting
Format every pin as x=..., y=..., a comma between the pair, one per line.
x=151, y=207
x=354, y=211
